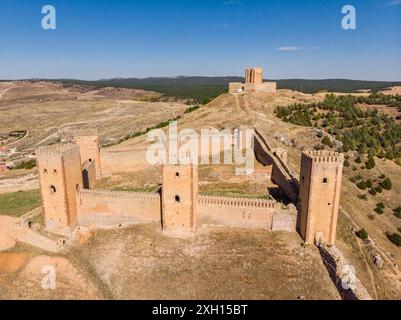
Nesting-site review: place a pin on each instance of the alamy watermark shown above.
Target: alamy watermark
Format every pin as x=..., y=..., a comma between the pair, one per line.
x=188, y=146
x=349, y=20
x=49, y=18
x=49, y=279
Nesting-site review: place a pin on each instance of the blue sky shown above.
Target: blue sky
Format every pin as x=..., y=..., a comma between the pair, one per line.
x=115, y=38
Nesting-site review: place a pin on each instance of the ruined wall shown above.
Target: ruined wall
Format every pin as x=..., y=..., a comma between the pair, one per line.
x=104, y=207
x=234, y=87
x=245, y=213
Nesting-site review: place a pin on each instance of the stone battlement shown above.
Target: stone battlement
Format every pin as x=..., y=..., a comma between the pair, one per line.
x=237, y=202
x=57, y=150
x=323, y=156
x=85, y=133
x=119, y=194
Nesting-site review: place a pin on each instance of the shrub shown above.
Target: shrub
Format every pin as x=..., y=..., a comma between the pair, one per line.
x=362, y=185
x=379, y=189
x=380, y=205
x=370, y=164
x=379, y=210
x=326, y=141
x=347, y=163
x=358, y=160
x=362, y=234
x=369, y=183
x=386, y=184
x=190, y=109
x=397, y=212
x=363, y=197
x=395, y=238
x=373, y=192
x=26, y=164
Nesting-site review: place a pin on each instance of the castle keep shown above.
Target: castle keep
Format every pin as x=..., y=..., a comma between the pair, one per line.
x=67, y=175
x=253, y=83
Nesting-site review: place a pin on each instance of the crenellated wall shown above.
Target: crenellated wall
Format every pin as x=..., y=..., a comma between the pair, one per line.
x=115, y=207
x=102, y=207
x=246, y=213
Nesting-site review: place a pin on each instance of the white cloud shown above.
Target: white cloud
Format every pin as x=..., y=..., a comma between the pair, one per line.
x=294, y=48
x=289, y=48
x=394, y=3
x=232, y=2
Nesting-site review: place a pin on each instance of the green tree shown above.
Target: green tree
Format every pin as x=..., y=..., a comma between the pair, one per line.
x=370, y=164
x=362, y=234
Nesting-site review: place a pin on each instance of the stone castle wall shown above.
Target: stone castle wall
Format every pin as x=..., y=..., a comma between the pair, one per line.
x=106, y=207
x=281, y=174
x=246, y=213
x=101, y=207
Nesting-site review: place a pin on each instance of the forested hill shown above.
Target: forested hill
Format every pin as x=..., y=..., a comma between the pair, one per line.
x=201, y=88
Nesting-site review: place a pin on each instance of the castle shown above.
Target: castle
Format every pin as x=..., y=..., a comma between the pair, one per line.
x=67, y=176
x=253, y=83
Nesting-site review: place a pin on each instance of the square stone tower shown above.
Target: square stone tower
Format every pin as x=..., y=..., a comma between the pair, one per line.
x=88, y=142
x=254, y=75
x=320, y=186
x=60, y=177
x=179, y=198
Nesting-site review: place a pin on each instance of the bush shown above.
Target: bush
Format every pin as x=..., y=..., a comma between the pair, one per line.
x=379, y=189
x=26, y=164
x=369, y=183
x=358, y=160
x=370, y=164
x=386, y=184
x=397, y=212
x=380, y=205
x=190, y=109
x=373, y=192
x=363, y=197
x=395, y=238
x=362, y=234
x=379, y=210
x=326, y=141
x=347, y=163
x=362, y=185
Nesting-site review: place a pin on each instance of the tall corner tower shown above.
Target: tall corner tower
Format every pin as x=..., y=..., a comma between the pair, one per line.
x=248, y=75
x=88, y=142
x=60, y=177
x=257, y=75
x=179, y=198
x=320, y=186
